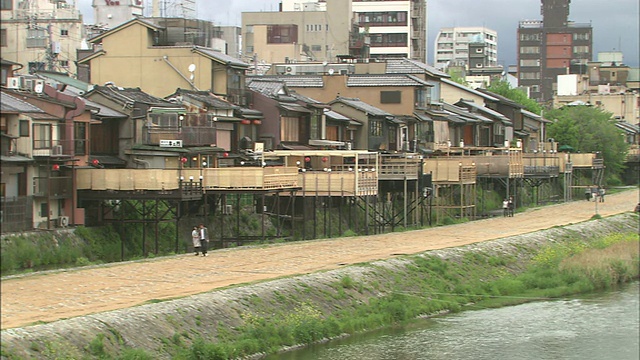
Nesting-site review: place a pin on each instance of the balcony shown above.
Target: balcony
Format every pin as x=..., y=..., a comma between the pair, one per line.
x=190, y=135
x=59, y=148
x=541, y=165
x=55, y=187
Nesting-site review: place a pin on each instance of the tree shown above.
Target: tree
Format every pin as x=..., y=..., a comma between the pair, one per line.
x=504, y=88
x=587, y=129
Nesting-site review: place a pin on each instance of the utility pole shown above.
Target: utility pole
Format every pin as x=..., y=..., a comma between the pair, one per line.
x=51, y=56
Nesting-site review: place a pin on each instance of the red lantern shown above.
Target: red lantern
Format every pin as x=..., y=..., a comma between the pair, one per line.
x=225, y=154
x=307, y=159
x=95, y=162
x=56, y=167
x=246, y=122
x=324, y=159
x=183, y=160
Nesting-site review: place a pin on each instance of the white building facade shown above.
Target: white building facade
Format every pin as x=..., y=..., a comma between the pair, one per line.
x=452, y=45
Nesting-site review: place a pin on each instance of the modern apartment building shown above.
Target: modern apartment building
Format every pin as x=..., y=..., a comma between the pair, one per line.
x=325, y=30
x=41, y=34
x=452, y=46
x=551, y=47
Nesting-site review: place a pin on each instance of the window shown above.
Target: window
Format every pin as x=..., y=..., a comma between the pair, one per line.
x=24, y=128
x=3, y=37
x=164, y=121
x=41, y=136
x=6, y=4
x=36, y=38
x=282, y=34
x=64, y=32
x=529, y=37
x=530, y=62
x=375, y=127
x=289, y=129
x=390, y=97
x=529, y=50
x=581, y=36
x=316, y=47
x=80, y=136
x=581, y=49
x=530, y=75
x=64, y=63
x=423, y=97
x=535, y=88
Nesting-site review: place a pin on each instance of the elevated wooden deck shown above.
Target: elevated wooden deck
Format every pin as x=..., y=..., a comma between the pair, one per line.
x=451, y=170
x=541, y=165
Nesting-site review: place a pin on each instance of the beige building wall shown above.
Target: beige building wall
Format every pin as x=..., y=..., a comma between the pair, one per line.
x=624, y=106
x=451, y=94
x=130, y=61
x=324, y=33
x=335, y=85
x=59, y=29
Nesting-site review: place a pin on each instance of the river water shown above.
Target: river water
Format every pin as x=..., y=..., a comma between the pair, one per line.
x=602, y=326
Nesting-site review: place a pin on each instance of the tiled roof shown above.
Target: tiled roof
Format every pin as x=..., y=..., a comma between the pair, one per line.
x=206, y=98
x=222, y=58
x=362, y=106
x=64, y=79
x=385, y=80
x=131, y=95
x=104, y=111
x=269, y=87
x=484, y=109
x=303, y=98
x=11, y=104
x=293, y=81
x=408, y=66
x=484, y=95
x=336, y=115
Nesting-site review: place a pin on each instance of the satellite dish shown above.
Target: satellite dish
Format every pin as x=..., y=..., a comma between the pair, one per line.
x=192, y=67
x=331, y=71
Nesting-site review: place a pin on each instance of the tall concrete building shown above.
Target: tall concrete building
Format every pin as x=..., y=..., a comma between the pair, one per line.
x=325, y=30
x=452, y=46
x=551, y=47
x=41, y=34
x=109, y=14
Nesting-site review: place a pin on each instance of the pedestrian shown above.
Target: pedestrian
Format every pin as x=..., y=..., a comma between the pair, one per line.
x=505, y=207
x=601, y=193
x=587, y=194
x=511, y=205
x=204, y=239
x=195, y=237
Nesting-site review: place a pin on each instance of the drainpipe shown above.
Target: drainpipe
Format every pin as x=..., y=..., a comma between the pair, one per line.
x=166, y=59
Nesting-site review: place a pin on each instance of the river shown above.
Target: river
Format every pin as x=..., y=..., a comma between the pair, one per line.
x=600, y=326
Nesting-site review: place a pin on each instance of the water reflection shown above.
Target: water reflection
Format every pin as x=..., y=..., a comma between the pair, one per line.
x=605, y=326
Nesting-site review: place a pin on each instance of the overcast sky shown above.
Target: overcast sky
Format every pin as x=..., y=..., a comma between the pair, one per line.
x=615, y=22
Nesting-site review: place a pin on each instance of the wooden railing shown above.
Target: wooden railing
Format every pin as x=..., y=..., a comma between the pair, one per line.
x=503, y=165
x=450, y=169
x=541, y=164
x=337, y=183
x=158, y=179
x=399, y=168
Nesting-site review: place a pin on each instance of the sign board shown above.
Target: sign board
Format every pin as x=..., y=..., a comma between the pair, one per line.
x=258, y=147
x=171, y=143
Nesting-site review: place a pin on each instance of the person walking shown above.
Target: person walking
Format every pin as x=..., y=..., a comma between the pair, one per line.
x=204, y=239
x=505, y=207
x=195, y=237
x=601, y=194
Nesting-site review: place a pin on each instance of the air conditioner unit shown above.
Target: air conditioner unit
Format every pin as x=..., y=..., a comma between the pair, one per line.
x=63, y=221
x=227, y=209
x=13, y=83
x=290, y=70
x=56, y=150
x=38, y=86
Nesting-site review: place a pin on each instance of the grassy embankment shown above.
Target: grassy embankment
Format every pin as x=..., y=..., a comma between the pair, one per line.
x=423, y=285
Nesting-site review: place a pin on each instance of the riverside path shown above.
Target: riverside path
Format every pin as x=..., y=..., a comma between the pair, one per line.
x=50, y=296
